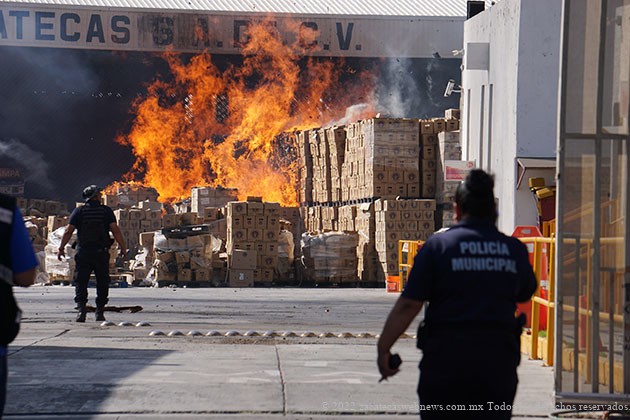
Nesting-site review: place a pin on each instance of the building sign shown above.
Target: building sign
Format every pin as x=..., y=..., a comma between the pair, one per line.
x=126, y=29
x=456, y=170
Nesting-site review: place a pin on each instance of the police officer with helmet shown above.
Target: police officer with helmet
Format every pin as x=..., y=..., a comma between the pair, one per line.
x=93, y=222
x=471, y=277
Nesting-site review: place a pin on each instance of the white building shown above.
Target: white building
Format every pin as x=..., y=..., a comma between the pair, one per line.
x=509, y=100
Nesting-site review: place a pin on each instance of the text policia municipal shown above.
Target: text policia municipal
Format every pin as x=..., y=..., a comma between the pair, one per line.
x=484, y=256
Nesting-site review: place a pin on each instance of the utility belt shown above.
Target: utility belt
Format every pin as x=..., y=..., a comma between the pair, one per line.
x=427, y=330
x=93, y=250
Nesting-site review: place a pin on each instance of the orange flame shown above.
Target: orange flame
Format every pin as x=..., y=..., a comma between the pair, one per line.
x=180, y=143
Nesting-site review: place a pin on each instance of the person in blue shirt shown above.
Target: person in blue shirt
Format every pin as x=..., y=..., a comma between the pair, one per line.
x=18, y=261
x=471, y=278
x=93, y=222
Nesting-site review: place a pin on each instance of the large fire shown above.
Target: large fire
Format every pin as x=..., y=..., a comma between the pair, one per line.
x=180, y=141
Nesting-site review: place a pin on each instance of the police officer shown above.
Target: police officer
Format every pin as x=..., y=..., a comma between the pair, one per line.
x=18, y=266
x=93, y=222
x=471, y=276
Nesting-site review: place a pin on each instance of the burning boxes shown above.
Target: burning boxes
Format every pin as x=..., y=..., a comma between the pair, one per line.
x=202, y=199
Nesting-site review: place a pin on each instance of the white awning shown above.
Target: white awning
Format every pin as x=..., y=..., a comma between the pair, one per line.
x=533, y=163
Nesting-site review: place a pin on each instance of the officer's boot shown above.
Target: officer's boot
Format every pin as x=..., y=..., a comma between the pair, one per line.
x=100, y=316
x=82, y=312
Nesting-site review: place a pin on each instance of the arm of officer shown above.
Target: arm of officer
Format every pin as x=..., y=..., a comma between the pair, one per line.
x=113, y=227
x=25, y=278
x=398, y=320
x=67, y=235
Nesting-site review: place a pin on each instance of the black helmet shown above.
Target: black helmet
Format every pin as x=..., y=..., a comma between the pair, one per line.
x=91, y=192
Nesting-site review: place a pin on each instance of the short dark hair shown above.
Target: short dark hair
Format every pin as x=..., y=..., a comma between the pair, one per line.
x=475, y=196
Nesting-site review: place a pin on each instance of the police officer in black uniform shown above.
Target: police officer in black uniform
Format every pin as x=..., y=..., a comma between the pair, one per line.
x=471, y=276
x=93, y=222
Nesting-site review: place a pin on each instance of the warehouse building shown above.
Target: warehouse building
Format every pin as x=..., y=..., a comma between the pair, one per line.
x=70, y=70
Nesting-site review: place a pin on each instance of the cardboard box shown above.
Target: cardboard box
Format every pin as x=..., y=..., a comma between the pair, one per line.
x=170, y=220
x=239, y=235
x=429, y=140
x=255, y=208
x=184, y=274
x=268, y=261
x=55, y=222
x=270, y=235
x=426, y=127
x=243, y=260
x=255, y=235
x=146, y=239
x=439, y=125
x=236, y=208
x=202, y=274
x=429, y=153
x=260, y=222
x=241, y=278
x=271, y=209
x=423, y=204
x=182, y=257
x=452, y=125
x=266, y=275
x=452, y=114
x=165, y=257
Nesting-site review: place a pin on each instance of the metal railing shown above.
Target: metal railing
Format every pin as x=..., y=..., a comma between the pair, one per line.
x=543, y=270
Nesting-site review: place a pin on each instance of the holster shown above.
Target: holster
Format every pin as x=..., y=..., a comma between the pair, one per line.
x=423, y=334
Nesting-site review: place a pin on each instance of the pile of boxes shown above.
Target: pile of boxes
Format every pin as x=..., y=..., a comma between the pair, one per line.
x=209, y=199
x=253, y=228
x=383, y=158
x=134, y=221
x=330, y=257
x=130, y=195
x=396, y=220
x=183, y=258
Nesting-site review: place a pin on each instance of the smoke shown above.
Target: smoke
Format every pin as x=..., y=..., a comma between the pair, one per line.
x=34, y=168
x=397, y=92
x=353, y=113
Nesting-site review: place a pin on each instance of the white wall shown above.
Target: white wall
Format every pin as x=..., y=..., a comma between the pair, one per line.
x=516, y=117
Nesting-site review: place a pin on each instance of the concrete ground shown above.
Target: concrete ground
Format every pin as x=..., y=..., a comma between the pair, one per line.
x=160, y=363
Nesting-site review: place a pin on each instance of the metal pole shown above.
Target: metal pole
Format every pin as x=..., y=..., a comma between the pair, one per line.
x=560, y=252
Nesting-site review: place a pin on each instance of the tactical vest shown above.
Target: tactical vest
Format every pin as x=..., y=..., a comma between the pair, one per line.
x=92, y=230
x=10, y=313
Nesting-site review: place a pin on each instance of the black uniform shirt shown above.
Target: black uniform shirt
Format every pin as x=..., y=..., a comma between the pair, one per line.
x=472, y=273
x=108, y=218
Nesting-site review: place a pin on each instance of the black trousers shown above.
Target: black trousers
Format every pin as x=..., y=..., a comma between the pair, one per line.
x=88, y=261
x=469, y=375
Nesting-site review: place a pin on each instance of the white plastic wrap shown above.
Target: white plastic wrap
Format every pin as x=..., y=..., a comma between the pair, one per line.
x=54, y=267
x=330, y=256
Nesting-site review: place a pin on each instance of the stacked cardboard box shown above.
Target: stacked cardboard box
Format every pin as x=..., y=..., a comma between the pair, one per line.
x=321, y=166
x=252, y=226
x=184, y=258
x=401, y=220
x=133, y=221
x=336, y=140
x=392, y=150
x=41, y=207
x=305, y=167
x=353, y=167
x=365, y=224
x=128, y=195
x=330, y=257
x=205, y=199
x=449, y=147
x=429, y=165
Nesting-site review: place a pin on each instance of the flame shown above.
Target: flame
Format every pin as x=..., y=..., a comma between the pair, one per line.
x=180, y=143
